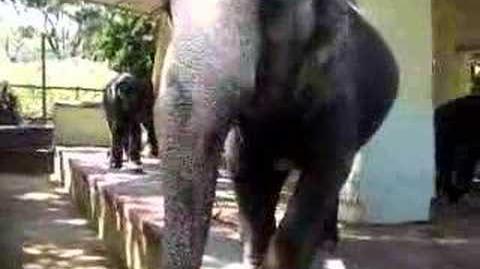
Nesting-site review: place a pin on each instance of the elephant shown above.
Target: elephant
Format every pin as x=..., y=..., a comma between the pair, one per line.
x=9, y=106
x=457, y=146
x=305, y=83
x=128, y=103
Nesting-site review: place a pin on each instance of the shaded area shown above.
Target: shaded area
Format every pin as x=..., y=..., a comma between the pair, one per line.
x=131, y=208
x=40, y=229
x=451, y=241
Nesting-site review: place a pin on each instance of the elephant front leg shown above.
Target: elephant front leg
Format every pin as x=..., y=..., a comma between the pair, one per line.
x=310, y=220
x=152, y=138
x=189, y=157
x=135, y=143
x=118, y=136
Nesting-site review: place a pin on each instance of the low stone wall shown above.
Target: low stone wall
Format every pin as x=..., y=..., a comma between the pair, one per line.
x=126, y=209
x=26, y=149
x=80, y=124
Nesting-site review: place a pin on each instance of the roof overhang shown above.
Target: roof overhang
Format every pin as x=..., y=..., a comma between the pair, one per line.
x=468, y=23
x=144, y=6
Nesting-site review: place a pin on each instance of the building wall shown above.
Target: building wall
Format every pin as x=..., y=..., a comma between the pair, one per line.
x=451, y=73
x=393, y=175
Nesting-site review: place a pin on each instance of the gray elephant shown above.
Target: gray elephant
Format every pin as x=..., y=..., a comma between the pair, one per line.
x=305, y=82
x=128, y=102
x=9, y=106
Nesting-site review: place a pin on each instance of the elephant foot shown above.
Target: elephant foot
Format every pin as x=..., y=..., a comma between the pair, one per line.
x=115, y=165
x=154, y=152
x=329, y=246
x=135, y=166
x=250, y=263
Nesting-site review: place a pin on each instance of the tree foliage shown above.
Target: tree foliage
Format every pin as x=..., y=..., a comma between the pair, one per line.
x=73, y=28
x=68, y=25
x=127, y=42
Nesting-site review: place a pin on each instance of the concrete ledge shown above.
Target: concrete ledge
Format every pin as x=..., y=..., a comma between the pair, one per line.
x=80, y=124
x=126, y=209
x=26, y=149
x=27, y=162
x=26, y=137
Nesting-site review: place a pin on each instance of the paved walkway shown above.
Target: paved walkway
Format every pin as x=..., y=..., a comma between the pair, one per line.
x=452, y=243
x=40, y=229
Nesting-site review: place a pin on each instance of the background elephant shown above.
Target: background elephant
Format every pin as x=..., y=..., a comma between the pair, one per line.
x=457, y=146
x=9, y=106
x=128, y=103
x=308, y=82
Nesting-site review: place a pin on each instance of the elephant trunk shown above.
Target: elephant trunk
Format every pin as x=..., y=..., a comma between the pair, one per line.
x=189, y=168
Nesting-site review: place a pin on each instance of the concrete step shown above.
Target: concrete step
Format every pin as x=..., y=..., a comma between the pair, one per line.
x=126, y=209
x=25, y=137
x=38, y=161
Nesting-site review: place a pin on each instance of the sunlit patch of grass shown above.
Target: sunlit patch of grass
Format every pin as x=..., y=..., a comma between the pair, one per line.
x=67, y=72
x=71, y=72
x=52, y=256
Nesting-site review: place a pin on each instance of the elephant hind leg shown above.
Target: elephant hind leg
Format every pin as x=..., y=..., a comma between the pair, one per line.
x=135, y=143
x=150, y=129
x=310, y=220
x=257, y=189
x=119, y=133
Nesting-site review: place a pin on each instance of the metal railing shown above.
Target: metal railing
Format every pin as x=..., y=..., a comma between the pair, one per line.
x=36, y=102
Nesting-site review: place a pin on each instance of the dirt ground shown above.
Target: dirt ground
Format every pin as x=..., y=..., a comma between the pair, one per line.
x=39, y=228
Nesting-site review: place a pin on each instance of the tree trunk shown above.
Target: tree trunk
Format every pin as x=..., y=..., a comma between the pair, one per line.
x=163, y=36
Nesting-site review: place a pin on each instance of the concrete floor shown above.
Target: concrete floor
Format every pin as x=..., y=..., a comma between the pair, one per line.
x=39, y=228
x=452, y=242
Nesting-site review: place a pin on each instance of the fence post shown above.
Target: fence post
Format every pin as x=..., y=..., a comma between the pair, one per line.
x=44, y=81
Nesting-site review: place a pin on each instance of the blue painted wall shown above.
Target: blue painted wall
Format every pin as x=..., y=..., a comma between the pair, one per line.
x=392, y=180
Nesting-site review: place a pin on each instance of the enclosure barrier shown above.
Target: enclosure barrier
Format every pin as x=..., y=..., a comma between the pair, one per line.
x=80, y=124
x=126, y=209
x=32, y=103
x=26, y=149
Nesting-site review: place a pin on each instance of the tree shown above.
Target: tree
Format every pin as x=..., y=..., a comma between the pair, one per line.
x=127, y=42
x=120, y=36
x=15, y=46
x=67, y=24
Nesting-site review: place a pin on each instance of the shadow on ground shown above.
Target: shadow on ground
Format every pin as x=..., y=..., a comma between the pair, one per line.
x=40, y=229
x=451, y=242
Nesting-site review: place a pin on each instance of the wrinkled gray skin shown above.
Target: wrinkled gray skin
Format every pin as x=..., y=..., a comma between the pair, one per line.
x=307, y=81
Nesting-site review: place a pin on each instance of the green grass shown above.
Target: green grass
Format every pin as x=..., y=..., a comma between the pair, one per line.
x=73, y=72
